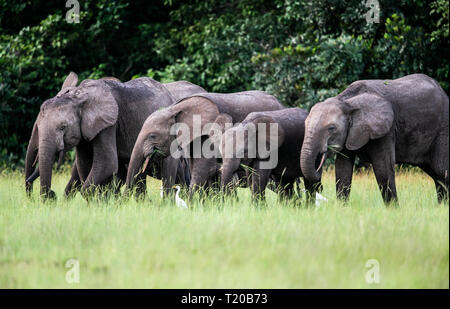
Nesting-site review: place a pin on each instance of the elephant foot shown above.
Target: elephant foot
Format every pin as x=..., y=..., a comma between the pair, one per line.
x=68, y=195
x=49, y=195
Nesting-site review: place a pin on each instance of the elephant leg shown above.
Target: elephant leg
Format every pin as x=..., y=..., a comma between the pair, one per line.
x=382, y=156
x=440, y=166
x=104, y=160
x=202, y=169
x=83, y=160
x=311, y=189
x=441, y=190
x=259, y=179
x=120, y=178
x=170, y=169
x=183, y=174
x=344, y=173
x=214, y=183
x=439, y=182
x=74, y=183
x=141, y=185
x=286, y=187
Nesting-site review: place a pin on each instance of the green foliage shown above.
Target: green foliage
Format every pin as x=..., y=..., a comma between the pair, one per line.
x=301, y=51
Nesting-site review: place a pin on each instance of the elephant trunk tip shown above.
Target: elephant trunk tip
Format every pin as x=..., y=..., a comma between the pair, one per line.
x=311, y=163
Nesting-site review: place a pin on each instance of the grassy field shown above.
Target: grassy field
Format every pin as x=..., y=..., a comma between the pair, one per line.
x=231, y=244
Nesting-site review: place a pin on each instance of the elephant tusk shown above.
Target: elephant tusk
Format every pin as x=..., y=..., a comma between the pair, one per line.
x=324, y=155
x=35, y=161
x=60, y=159
x=33, y=176
x=145, y=164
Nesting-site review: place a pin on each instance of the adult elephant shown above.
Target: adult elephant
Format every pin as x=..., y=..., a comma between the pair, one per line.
x=178, y=90
x=383, y=122
x=74, y=182
x=156, y=139
x=102, y=119
x=269, y=144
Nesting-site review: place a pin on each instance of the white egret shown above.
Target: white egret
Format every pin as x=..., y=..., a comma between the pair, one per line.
x=178, y=201
x=319, y=198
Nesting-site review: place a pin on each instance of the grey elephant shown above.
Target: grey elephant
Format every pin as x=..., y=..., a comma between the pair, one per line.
x=383, y=122
x=102, y=119
x=259, y=143
x=183, y=89
x=212, y=108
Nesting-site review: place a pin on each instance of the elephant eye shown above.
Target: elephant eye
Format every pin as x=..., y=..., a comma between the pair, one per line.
x=331, y=129
x=152, y=136
x=62, y=127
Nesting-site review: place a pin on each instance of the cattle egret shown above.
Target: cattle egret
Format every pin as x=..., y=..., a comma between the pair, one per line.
x=178, y=201
x=319, y=198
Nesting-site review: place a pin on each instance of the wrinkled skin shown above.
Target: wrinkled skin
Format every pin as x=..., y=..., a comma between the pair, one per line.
x=213, y=108
x=102, y=119
x=183, y=89
x=286, y=141
x=383, y=122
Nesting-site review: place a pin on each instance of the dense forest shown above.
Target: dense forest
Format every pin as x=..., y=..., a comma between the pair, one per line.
x=299, y=51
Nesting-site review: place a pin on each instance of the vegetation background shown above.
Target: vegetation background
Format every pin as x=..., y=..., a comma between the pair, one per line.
x=300, y=51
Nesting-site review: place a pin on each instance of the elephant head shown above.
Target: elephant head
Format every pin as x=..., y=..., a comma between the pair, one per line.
x=74, y=114
x=157, y=137
x=347, y=121
x=241, y=144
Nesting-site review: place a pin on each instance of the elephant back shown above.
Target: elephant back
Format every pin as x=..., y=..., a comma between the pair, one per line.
x=292, y=120
x=182, y=89
x=238, y=105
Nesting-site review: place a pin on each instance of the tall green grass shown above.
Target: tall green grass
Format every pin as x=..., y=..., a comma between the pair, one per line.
x=225, y=243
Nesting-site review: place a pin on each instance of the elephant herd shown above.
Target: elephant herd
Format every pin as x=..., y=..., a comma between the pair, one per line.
x=182, y=134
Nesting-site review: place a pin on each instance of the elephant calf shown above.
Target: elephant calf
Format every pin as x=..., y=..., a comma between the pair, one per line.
x=383, y=122
x=156, y=138
x=277, y=133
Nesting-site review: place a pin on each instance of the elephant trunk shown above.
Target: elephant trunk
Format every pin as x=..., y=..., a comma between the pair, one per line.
x=311, y=161
x=47, y=152
x=31, y=160
x=229, y=167
x=134, y=168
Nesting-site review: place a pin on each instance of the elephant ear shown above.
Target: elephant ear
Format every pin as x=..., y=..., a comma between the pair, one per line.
x=69, y=83
x=372, y=117
x=114, y=79
x=220, y=125
x=196, y=113
x=269, y=132
x=98, y=113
